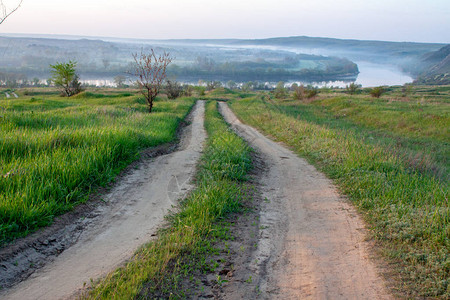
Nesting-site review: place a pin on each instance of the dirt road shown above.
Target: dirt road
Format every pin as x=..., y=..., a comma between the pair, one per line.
x=311, y=241
x=137, y=208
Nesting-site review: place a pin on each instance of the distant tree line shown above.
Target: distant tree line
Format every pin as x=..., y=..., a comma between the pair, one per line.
x=18, y=80
x=264, y=71
x=97, y=59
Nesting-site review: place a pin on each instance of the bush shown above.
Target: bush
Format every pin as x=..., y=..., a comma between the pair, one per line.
x=199, y=90
x=75, y=85
x=248, y=86
x=119, y=81
x=377, y=92
x=231, y=85
x=187, y=90
x=311, y=92
x=353, y=88
x=299, y=92
x=406, y=90
x=280, y=91
x=212, y=85
x=173, y=89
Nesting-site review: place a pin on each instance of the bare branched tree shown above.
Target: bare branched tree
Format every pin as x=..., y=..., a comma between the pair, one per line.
x=5, y=12
x=150, y=70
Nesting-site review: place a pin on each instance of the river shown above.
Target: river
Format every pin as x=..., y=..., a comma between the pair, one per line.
x=370, y=75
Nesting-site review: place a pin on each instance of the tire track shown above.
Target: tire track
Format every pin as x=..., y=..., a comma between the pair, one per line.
x=135, y=209
x=311, y=241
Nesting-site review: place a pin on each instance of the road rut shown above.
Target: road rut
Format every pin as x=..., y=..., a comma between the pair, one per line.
x=138, y=204
x=311, y=242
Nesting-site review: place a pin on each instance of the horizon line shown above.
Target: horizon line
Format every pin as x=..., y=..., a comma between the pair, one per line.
x=50, y=35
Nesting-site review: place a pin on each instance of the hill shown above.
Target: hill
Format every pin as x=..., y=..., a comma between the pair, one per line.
x=299, y=58
x=435, y=67
x=27, y=57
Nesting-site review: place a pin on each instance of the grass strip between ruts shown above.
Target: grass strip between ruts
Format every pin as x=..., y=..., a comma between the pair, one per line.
x=156, y=269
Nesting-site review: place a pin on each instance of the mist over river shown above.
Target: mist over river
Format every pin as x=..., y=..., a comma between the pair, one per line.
x=370, y=75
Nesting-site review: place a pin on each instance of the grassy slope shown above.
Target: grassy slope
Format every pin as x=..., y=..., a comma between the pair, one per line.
x=157, y=268
x=390, y=158
x=54, y=150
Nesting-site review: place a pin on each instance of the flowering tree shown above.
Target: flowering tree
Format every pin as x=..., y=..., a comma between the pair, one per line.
x=150, y=71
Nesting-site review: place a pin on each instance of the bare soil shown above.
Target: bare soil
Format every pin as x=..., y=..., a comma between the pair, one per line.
x=310, y=240
x=59, y=261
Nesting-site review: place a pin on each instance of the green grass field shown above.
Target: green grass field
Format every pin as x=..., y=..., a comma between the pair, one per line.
x=390, y=156
x=54, y=151
x=158, y=268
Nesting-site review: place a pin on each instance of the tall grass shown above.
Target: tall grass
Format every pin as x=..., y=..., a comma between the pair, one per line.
x=157, y=267
x=54, y=151
x=360, y=144
x=416, y=131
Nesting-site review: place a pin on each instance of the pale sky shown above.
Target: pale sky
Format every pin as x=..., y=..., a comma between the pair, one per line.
x=390, y=20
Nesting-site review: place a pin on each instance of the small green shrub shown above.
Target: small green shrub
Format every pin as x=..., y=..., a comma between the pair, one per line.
x=377, y=92
x=280, y=91
x=311, y=92
x=173, y=89
x=352, y=88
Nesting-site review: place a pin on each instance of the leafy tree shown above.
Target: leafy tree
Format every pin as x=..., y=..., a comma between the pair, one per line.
x=12, y=83
x=259, y=86
x=212, y=85
x=150, y=71
x=119, y=81
x=248, y=86
x=280, y=91
x=36, y=81
x=64, y=76
x=231, y=85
